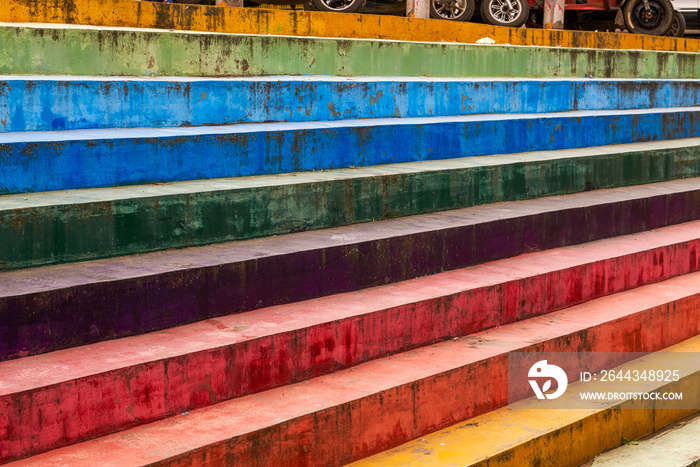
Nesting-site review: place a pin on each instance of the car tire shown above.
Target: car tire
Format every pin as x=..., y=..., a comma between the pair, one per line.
x=452, y=10
x=678, y=26
x=336, y=6
x=656, y=23
x=512, y=13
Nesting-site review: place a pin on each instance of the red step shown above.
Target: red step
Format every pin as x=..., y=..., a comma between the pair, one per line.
x=376, y=405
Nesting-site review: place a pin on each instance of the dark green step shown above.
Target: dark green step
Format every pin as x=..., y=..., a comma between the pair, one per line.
x=66, y=226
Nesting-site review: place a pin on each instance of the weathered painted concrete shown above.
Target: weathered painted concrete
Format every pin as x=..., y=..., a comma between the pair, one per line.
x=59, y=50
x=57, y=227
x=45, y=161
x=523, y=434
x=48, y=401
x=54, y=307
x=70, y=103
x=316, y=24
x=675, y=446
x=338, y=418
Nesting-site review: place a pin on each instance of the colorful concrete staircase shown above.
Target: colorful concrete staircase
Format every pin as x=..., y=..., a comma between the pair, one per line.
x=374, y=248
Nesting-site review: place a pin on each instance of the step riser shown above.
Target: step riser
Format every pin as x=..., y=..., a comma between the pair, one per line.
x=100, y=229
x=277, y=360
x=59, y=165
x=105, y=52
x=353, y=430
x=38, y=322
x=44, y=105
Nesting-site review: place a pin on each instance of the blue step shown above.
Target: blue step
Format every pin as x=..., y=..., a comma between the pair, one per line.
x=44, y=161
x=72, y=103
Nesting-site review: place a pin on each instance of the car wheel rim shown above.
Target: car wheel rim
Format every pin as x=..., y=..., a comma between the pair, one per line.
x=649, y=19
x=337, y=5
x=505, y=11
x=449, y=9
x=675, y=26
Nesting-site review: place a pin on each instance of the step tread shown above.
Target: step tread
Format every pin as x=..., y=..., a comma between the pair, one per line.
x=97, y=195
x=33, y=280
x=68, y=364
x=328, y=78
x=497, y=432
x=247, y=128
x=226, y=420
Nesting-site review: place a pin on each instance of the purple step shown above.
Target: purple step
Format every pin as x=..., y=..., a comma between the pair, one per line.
x=53, y=307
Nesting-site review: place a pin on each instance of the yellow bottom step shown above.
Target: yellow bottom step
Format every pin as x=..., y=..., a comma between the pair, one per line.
x=522, y=434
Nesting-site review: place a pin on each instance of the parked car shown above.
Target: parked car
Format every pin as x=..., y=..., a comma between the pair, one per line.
x=687, y=16
x=654, y=17
x=690, y=9
x=512, y=13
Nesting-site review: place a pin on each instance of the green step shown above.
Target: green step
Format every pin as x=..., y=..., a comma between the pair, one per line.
x=83, y=50
x=65, y=226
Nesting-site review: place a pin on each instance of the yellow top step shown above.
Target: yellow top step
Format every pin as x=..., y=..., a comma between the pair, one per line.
x=130, y=13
